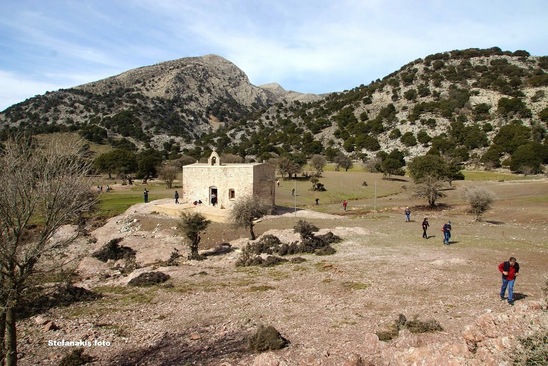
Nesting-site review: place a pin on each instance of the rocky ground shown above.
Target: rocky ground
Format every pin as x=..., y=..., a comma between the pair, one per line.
x=330, y=308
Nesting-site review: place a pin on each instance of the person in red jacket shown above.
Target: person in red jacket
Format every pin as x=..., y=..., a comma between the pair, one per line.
x=509, y=270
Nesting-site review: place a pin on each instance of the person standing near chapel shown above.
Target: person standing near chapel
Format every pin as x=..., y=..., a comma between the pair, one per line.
x=145, y=195
x=509, y=270
x=447, y=233
x=425, y=226
x=176, y=197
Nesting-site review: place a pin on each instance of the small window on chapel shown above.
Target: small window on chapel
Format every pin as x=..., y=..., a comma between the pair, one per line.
x=231, y=194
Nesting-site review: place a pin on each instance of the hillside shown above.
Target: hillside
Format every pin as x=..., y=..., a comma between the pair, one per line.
x=453, y=103
x=182, y=99
x=472, y=106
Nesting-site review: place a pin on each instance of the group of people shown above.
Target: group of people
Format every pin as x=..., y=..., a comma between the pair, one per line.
x=100, y=188
x=446, y=229
x=509, y=269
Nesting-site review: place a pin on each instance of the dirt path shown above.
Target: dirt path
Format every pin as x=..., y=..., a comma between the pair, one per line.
x=328, y=307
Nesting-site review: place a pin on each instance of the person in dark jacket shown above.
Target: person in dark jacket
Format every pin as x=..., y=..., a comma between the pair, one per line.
x=509, y=270
x=447, y=233
x=425, y=225
x=176, y=197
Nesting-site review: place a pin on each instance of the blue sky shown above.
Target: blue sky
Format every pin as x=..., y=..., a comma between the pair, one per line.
x=314, y=46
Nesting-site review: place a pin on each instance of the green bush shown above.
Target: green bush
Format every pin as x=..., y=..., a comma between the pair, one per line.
x=113, y=250
x=267, y=339
x=149, y=279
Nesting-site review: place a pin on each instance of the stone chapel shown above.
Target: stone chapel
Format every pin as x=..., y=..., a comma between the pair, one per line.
x=221, y=185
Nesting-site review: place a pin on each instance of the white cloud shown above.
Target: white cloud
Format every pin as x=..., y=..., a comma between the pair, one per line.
x=17, y=88
x=307, y=45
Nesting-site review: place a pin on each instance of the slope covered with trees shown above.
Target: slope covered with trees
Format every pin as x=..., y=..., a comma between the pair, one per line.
x=480, y=107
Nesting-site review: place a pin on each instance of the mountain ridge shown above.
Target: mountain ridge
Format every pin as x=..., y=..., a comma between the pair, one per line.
x=445, y=103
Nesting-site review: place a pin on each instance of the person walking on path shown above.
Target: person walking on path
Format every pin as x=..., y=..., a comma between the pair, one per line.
x=345, y=204
x=425, y=226
x=446, y=233
x=145, y=195
x=176, y=197
x=407, y=214
x=317, y=201
x=509, y=270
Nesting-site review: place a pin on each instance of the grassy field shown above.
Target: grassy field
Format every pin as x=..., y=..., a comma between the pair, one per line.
x=360, y=188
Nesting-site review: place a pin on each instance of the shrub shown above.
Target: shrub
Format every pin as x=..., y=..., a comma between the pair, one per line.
x=267, y=339
x=113, y=250
x=149, y=279
x=270, y=244
x=417, y=326
x=173, y=258
x=414, y=326
x=534, y=350
x=480, y=201
x=305, y=229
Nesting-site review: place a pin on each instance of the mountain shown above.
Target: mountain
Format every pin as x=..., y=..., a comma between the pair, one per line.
x=184, y=98
x=474, y=106
x=471, y=106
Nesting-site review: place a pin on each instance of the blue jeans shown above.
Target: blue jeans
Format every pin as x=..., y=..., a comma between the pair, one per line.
x=446, y=237
x=407, y=217
x=510, y=285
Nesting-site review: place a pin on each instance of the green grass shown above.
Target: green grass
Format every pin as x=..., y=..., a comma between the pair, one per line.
x=494, y=176
x=112, y=204
x=118, y=201
x=339, y=186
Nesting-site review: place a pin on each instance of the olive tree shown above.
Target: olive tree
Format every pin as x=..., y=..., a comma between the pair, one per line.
x=318, y=162
x=429, y=187
x=168, y=173
x=480, y=200
x=44, y=186
x=192, y=223
x=246, y=210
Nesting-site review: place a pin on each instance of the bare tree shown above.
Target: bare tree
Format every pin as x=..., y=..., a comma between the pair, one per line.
x=192, y=224
x=343, y=161
x=168, y=173
x=246, y=210
x=480, y=200
x=286, y=165
x=430, y=188
x=318, y=162
x=43, y=188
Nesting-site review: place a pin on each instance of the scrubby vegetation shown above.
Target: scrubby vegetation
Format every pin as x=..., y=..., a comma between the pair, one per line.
x=414, y=326
x=270, y=244
x=267, y=338
x=114, y=251
x=533, y=350
x=149, y=279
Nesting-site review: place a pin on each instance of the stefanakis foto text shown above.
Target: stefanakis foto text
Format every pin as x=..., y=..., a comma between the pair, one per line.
x=80, y=343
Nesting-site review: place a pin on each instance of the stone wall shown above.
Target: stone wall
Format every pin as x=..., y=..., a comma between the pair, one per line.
x=200, y=180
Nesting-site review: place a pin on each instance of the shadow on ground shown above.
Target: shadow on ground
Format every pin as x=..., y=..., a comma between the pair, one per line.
x=186, y=349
